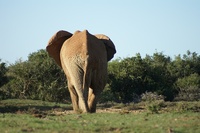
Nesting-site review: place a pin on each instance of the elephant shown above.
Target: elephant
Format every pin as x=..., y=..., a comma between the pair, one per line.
x=84, y=58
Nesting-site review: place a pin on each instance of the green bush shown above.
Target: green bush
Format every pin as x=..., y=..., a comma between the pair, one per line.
x=134, y=75
x=107, y=95
x=40, y=78
x=151, y=96
x=37, y=78
x=3, y=70
x=3, y=79
x=153, y=101
x=189, y=87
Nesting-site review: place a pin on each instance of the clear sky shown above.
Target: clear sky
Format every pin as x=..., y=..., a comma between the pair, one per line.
x=135, y=26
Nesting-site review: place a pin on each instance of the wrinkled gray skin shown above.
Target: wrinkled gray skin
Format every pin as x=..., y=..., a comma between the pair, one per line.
x=84, y=58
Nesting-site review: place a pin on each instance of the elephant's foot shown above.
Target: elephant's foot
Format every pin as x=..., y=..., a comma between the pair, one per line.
x=83, y=106
x=92, y=105
x=80, y=111
x=83, y=110
x=93, y=110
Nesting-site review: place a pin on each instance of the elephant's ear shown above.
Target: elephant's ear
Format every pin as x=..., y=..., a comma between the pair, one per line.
x=110, y=47
x=55, y=43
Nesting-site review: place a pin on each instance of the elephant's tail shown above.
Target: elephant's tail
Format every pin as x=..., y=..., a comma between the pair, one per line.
x=87, y=77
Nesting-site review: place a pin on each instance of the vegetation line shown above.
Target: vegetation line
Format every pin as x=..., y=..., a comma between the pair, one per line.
x=128, y=80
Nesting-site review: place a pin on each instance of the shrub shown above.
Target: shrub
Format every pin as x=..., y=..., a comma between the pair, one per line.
x=151, y=96
x=37, y=78
x=107, y=95
x=189, y=87
x=153, y=101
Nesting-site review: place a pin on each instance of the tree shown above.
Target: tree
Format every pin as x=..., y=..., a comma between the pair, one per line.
x=22, y=78
x=40, y=78
x=161, y=78
x=51, y=81
x=189, y=87
x=3, y=78
x=134, y=75
x=127, y=78
x=186, y=65
x=37, y=78
x=3, y=70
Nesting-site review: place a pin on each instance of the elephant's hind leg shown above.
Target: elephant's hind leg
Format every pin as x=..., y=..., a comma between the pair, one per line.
x=78, y=98
x=93, y=98
x=97, y=85
x=75, y=84
x=74, y=97
x=76, y=76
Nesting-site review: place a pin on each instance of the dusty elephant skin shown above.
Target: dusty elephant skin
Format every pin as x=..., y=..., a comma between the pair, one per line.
x=83, y=57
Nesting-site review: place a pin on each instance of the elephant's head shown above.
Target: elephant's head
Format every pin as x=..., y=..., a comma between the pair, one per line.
x=110, y=47
x=55, y=44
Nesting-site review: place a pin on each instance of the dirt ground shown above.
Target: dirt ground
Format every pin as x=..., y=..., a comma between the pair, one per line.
x=106, y=110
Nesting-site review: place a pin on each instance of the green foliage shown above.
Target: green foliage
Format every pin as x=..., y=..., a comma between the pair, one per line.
x=3, y=70
x=154, y=107
x=126, y=78
x=150, y=97
x=153, y=101
x=189, y=87
x=37, y=78
x=157, y=73
x=3, y=78
x=106, y=95
x=40, y=78
x=186, y=65
x=136, y=75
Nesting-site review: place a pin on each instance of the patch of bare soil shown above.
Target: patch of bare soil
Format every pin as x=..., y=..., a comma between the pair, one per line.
x=106, y=110
x=121, y=111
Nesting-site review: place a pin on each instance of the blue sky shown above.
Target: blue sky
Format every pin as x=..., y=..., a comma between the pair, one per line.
x=135, y=26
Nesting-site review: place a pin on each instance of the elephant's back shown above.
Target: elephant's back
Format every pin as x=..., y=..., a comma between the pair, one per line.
x=85, y=45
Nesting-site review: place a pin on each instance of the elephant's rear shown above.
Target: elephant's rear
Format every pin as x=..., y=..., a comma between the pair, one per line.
x=83, y=58
x=87, y=53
